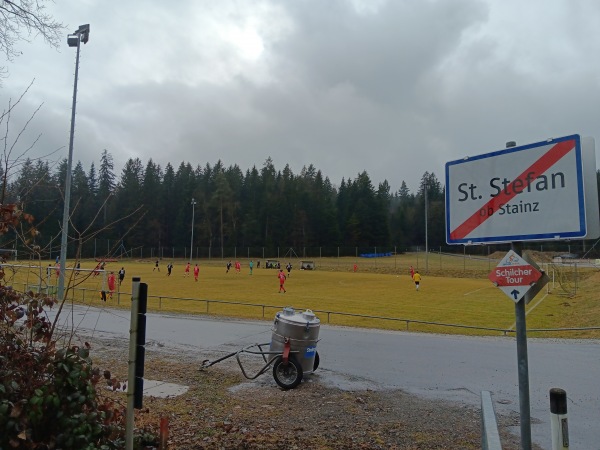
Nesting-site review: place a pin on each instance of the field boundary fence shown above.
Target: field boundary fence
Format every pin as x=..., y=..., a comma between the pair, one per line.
x=120, y=296
x=99, y=248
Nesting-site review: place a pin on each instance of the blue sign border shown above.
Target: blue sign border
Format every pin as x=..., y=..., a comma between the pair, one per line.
x=528, y=237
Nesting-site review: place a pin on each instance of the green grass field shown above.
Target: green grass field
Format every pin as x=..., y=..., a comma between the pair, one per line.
x=381, y=288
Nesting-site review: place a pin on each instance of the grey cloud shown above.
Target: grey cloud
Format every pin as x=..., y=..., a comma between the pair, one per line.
x=396, y=91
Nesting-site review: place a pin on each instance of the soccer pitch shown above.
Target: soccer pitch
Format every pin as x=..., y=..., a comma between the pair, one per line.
x=335, y=289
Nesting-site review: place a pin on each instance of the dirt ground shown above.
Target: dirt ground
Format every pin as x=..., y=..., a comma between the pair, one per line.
x=223, y=410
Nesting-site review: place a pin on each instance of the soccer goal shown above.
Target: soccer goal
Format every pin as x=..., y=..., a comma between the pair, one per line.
x=40, y=278
x=7, y=254
x=565, y=277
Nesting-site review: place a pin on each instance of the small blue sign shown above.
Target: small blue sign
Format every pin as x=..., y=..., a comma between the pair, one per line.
x=310, y=351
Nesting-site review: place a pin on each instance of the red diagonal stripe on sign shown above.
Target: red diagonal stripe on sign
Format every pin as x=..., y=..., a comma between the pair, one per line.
x=538, y=168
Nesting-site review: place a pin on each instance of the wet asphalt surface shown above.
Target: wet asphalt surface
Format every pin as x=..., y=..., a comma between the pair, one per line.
x=454, y=368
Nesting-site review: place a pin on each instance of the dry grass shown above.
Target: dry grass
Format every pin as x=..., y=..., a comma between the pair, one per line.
x=459, y=293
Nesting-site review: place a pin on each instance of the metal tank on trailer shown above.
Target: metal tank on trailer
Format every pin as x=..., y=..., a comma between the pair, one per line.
x=295, y=335
x=292, y=350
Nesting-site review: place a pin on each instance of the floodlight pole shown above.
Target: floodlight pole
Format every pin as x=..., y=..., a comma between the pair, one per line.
x=426, y=233
x=74, y=40
x=192, y=238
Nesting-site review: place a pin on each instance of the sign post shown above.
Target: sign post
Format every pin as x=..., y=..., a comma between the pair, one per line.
x=522, y=365
x=521, y=280
x=541, y=191
x=515, y=277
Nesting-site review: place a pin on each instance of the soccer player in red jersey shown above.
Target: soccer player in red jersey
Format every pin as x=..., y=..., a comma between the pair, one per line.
x=281, y=277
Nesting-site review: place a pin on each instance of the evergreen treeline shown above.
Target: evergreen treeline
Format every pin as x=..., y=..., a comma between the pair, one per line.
x=262, y=207
x=148, y=206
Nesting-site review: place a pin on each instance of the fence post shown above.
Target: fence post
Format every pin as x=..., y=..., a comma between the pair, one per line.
x=576, y=279
x=558, y=419
x=164, y=433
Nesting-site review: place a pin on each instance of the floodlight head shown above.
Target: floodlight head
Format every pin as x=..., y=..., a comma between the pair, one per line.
x=84, y=31
x=81, y=34
x=72, y=40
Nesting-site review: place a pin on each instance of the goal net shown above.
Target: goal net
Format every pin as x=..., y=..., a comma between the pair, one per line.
x=40, y=278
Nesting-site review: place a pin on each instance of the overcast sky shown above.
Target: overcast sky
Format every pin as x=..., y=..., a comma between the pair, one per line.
x=396, y=88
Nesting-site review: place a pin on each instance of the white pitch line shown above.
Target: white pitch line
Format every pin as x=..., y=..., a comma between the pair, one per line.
x=530, y=309
x=477, y=290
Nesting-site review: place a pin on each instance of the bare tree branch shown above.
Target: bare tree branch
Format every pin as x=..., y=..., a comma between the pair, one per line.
x=81, y=240
x=8, y=144
x=22, y=19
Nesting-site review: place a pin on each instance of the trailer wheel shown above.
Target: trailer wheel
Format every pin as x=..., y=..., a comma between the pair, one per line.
x=317, y=361
x=289, y=375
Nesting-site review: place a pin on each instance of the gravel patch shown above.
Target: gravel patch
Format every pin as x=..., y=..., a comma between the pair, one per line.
x=224, y=410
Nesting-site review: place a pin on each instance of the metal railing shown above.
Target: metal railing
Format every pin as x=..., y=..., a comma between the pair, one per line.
x=327, y=314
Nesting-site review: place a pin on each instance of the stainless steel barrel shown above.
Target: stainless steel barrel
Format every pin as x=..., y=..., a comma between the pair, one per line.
x=302, y=331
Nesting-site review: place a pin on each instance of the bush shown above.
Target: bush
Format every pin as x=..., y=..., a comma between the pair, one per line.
x=48, y=396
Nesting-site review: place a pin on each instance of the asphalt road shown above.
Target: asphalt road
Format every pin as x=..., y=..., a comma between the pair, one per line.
x=453, y=368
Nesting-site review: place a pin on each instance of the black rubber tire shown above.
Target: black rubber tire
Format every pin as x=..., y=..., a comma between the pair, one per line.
x=289, y=375
x=317, y=361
